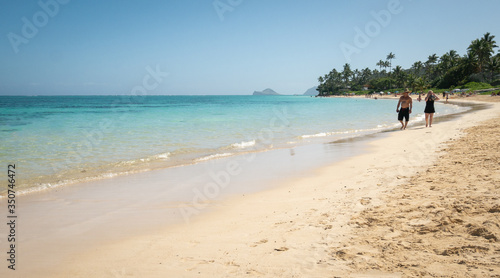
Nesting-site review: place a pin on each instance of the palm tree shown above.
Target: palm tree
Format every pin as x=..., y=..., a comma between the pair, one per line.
x=380, y=64
x=429, y=65
x=432, y=59
x=410, y=81
x=488, y=38
x=385, y=65
x=390, y=56
x=417, y=67
x=420, y=84
x=469, y=63
x=482, y=49
x=493, y=66
x=398, y=74
x=365, y=75
x=454, y=57
x=356, y=74
x=445, y=62
x=346, y=74
x=478, y=50
x=332, y=82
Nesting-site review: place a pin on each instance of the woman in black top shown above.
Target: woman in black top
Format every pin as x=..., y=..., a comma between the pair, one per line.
x=429, y=108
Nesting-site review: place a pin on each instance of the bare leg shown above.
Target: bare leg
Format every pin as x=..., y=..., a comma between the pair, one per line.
x=406, y=124
x=431, y=116
x=426, y=119
x=402, y=125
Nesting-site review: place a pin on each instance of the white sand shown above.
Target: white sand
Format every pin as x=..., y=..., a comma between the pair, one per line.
x=303, y=228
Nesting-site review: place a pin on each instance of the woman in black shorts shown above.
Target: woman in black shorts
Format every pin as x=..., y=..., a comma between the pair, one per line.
x=429, y=108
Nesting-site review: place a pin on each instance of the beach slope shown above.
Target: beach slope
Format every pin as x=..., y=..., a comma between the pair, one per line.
x=423, y=201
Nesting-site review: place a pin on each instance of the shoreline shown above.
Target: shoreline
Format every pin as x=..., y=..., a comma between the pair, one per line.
x=55, y=182
x=308, y=214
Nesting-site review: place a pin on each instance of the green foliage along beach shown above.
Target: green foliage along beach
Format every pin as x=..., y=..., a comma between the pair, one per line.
x=479, y=68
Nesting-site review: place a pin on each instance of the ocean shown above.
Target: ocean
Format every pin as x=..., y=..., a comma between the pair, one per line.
x=59, y=140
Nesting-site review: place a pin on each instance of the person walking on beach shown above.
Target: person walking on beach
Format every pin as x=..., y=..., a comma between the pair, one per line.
x=406, y=104
x=429, y=108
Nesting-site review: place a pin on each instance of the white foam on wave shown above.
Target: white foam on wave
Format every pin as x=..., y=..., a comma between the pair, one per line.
x=419, y=117
x=213, y=156
x=355, y=132
x=162, y=156
x=321, y=134
x=243, y=144
x=325, y=134
x=108, y=175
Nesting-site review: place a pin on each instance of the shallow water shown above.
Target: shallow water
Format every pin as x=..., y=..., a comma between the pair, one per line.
x=56, y=140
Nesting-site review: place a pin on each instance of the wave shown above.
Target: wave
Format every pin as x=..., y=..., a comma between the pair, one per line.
x=185, y=152
x=161, y=156
x=39, y=187
x=243, y=144
x=352, y=132
x=213, y=156
x=326, y=134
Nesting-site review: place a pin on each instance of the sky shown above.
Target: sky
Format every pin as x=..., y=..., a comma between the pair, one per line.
x=220, y=47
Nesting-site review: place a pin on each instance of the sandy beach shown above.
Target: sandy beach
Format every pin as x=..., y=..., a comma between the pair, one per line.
x=419, y=202
x=442, y=222
x=258, y=139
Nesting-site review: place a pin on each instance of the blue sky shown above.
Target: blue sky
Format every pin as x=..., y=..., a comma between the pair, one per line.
x=223, y=46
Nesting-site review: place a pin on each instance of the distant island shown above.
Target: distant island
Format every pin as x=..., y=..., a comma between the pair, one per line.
x=266, y=92
x=312, y=91
x=270, y=92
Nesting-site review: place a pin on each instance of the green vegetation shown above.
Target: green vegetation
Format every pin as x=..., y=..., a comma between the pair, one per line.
x=475, y=70
x=476, y=86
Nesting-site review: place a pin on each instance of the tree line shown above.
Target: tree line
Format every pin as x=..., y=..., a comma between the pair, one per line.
x=450, y=70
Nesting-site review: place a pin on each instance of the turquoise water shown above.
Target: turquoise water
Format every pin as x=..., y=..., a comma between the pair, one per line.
x=57, y=140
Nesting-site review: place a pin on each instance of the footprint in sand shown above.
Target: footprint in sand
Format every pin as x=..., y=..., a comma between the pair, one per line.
x=328, y=227
x=232, y=263
x=254, y=272
x=262, y=241
x=365, y=201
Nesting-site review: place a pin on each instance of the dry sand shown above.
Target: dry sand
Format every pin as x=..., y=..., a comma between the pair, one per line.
x=443, y=222
x=421, y=202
